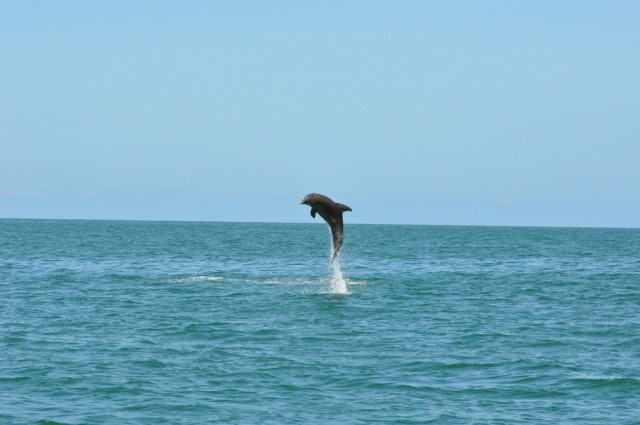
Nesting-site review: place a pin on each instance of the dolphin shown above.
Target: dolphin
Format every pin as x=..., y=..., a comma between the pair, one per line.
x=331, y=212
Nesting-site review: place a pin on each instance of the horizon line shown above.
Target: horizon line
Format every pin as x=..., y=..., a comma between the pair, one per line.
x=317, y=223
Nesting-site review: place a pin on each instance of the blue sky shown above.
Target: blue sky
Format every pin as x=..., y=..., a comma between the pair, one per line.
x=425, y=112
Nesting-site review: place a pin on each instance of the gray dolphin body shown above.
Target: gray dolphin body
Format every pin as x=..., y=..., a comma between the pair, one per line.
x=331, y=212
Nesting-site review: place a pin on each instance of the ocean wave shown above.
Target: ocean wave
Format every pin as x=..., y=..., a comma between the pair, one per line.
x=610, y=382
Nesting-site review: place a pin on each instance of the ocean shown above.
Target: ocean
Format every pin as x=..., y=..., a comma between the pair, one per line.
x=125, y=322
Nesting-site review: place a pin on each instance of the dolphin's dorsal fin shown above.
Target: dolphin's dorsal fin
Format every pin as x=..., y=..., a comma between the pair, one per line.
x=313, y=212
x=343, y=207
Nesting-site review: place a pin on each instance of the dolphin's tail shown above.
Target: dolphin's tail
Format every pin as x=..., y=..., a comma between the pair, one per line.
x=338, y=238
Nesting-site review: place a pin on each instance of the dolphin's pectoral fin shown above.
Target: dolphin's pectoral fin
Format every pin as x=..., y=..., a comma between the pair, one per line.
x=313, y=212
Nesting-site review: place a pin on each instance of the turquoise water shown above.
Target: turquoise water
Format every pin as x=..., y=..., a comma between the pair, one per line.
x=193, y=323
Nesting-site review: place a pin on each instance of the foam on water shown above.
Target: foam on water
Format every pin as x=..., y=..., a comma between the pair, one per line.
x=199, y=278
x=205, y=278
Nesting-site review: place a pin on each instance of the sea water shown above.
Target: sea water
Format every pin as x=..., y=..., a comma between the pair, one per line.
x=116, y=322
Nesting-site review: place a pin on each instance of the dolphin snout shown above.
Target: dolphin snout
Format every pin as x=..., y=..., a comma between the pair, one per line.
x=301, y=202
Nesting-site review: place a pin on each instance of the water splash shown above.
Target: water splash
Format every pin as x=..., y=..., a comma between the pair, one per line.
x=338, y=283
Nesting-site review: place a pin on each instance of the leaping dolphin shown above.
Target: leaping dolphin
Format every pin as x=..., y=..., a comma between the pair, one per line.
x=331, y=212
